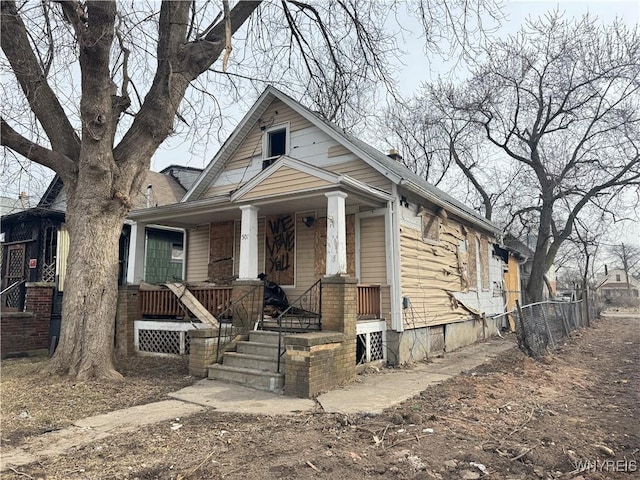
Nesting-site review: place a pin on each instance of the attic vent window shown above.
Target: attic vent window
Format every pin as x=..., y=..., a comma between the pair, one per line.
x=276, y=144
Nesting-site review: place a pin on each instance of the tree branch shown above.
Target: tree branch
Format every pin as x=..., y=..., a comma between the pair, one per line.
x=63, y=165
x=41, y=98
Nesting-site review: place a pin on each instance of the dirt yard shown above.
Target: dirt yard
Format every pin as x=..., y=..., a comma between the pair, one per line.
x=514, y=418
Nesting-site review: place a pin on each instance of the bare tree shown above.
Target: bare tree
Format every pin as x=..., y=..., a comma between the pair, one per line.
x=99, y=135
x=561, y=101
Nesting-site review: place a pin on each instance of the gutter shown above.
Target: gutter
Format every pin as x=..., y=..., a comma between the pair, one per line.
x=487, y=225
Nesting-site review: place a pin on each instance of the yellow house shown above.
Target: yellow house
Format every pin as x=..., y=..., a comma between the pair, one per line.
x=295, y=197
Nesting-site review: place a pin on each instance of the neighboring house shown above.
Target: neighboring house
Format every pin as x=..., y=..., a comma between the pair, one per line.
x=36, y=241
x=614, y=285
x=14, y=204
x=292, y=195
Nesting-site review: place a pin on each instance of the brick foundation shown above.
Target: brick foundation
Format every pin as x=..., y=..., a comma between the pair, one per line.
x=28, y=331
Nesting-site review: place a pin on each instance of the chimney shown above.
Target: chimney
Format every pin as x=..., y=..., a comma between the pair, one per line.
x=149, y=195
x=394, y=155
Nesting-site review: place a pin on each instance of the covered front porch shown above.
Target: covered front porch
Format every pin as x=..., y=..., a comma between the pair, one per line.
x=301, y=241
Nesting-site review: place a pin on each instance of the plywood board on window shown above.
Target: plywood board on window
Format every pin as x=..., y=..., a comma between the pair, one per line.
x=221, y=237
x=280, y=243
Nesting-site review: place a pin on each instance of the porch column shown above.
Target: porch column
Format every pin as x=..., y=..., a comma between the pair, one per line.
x=135, y=261
x=248, y=265
x=336, y=234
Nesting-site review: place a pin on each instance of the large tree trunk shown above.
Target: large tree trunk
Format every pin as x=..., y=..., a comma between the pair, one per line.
x=90, y=294
x=535, y=287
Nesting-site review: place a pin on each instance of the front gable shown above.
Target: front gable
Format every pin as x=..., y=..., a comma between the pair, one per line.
x=309, y=139
x=286, y=176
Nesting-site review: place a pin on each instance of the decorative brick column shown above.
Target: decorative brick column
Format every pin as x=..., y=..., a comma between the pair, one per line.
x=313, y=363
x=126, y=315
x=202, y=351
x=247, y=312
x=319, y=361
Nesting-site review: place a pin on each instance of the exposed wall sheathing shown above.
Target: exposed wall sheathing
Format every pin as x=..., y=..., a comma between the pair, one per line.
x=428, y=272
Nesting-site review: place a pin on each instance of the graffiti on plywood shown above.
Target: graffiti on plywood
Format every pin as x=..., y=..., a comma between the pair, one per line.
x=280, y=245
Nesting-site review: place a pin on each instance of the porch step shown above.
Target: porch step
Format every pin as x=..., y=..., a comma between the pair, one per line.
x=258, y=379
x=258, y=348
x=255, y=362
x=261, y=336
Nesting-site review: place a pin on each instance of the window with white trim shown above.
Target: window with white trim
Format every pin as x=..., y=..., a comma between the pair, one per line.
x=275, y=144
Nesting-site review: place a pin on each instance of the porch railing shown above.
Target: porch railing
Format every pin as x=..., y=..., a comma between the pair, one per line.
x=162, y=303
x=239, y=318
x=303, y=314
x=368, y=302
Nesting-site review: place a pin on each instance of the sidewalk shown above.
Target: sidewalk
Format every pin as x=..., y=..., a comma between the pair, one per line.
x=370, y=394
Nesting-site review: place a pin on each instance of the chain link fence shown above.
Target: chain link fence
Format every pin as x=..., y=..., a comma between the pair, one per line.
x=542, y=326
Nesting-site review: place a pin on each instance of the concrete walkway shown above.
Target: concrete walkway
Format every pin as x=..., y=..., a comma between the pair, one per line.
x=370, y=394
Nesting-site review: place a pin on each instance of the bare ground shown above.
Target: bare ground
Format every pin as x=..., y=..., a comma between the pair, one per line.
x=513, y=418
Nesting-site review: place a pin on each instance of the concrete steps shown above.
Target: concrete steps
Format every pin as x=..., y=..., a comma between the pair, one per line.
x=254, y=364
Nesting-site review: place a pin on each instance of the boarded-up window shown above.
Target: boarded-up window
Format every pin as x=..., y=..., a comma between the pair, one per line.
x=321, y=246
x=484, y=262
x=280, y=242
x=430, y=227
x=221, y=236
x=472, y=261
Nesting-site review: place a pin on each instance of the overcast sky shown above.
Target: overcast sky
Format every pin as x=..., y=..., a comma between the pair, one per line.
x=415, y=68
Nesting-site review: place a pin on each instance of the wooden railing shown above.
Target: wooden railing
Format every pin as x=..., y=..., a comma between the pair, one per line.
x=160, y=302
x=368, y=302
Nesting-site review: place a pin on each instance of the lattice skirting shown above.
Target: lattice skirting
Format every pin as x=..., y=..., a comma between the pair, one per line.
x=371, y=342
x=162, y=338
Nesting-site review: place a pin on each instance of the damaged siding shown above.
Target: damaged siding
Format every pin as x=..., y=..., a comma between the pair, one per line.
x=429, y=270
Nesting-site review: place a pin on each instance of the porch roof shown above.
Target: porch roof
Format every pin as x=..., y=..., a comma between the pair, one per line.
x=226, y=206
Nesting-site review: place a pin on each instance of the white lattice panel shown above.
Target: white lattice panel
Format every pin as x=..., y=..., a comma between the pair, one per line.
x=370, y=345
x=162, y=338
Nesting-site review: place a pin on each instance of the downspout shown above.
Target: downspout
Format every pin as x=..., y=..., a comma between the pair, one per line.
x=396, y=287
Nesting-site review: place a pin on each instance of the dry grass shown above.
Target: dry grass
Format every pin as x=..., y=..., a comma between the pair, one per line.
x=34, y=402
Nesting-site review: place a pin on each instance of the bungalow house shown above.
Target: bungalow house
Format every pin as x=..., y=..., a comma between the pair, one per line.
x=614, y=287
x=295, y=197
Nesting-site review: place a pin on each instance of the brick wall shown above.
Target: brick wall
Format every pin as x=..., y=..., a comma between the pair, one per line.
x=319, y=361
x=202, y=352
x=29, y=330
x=126, y=314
